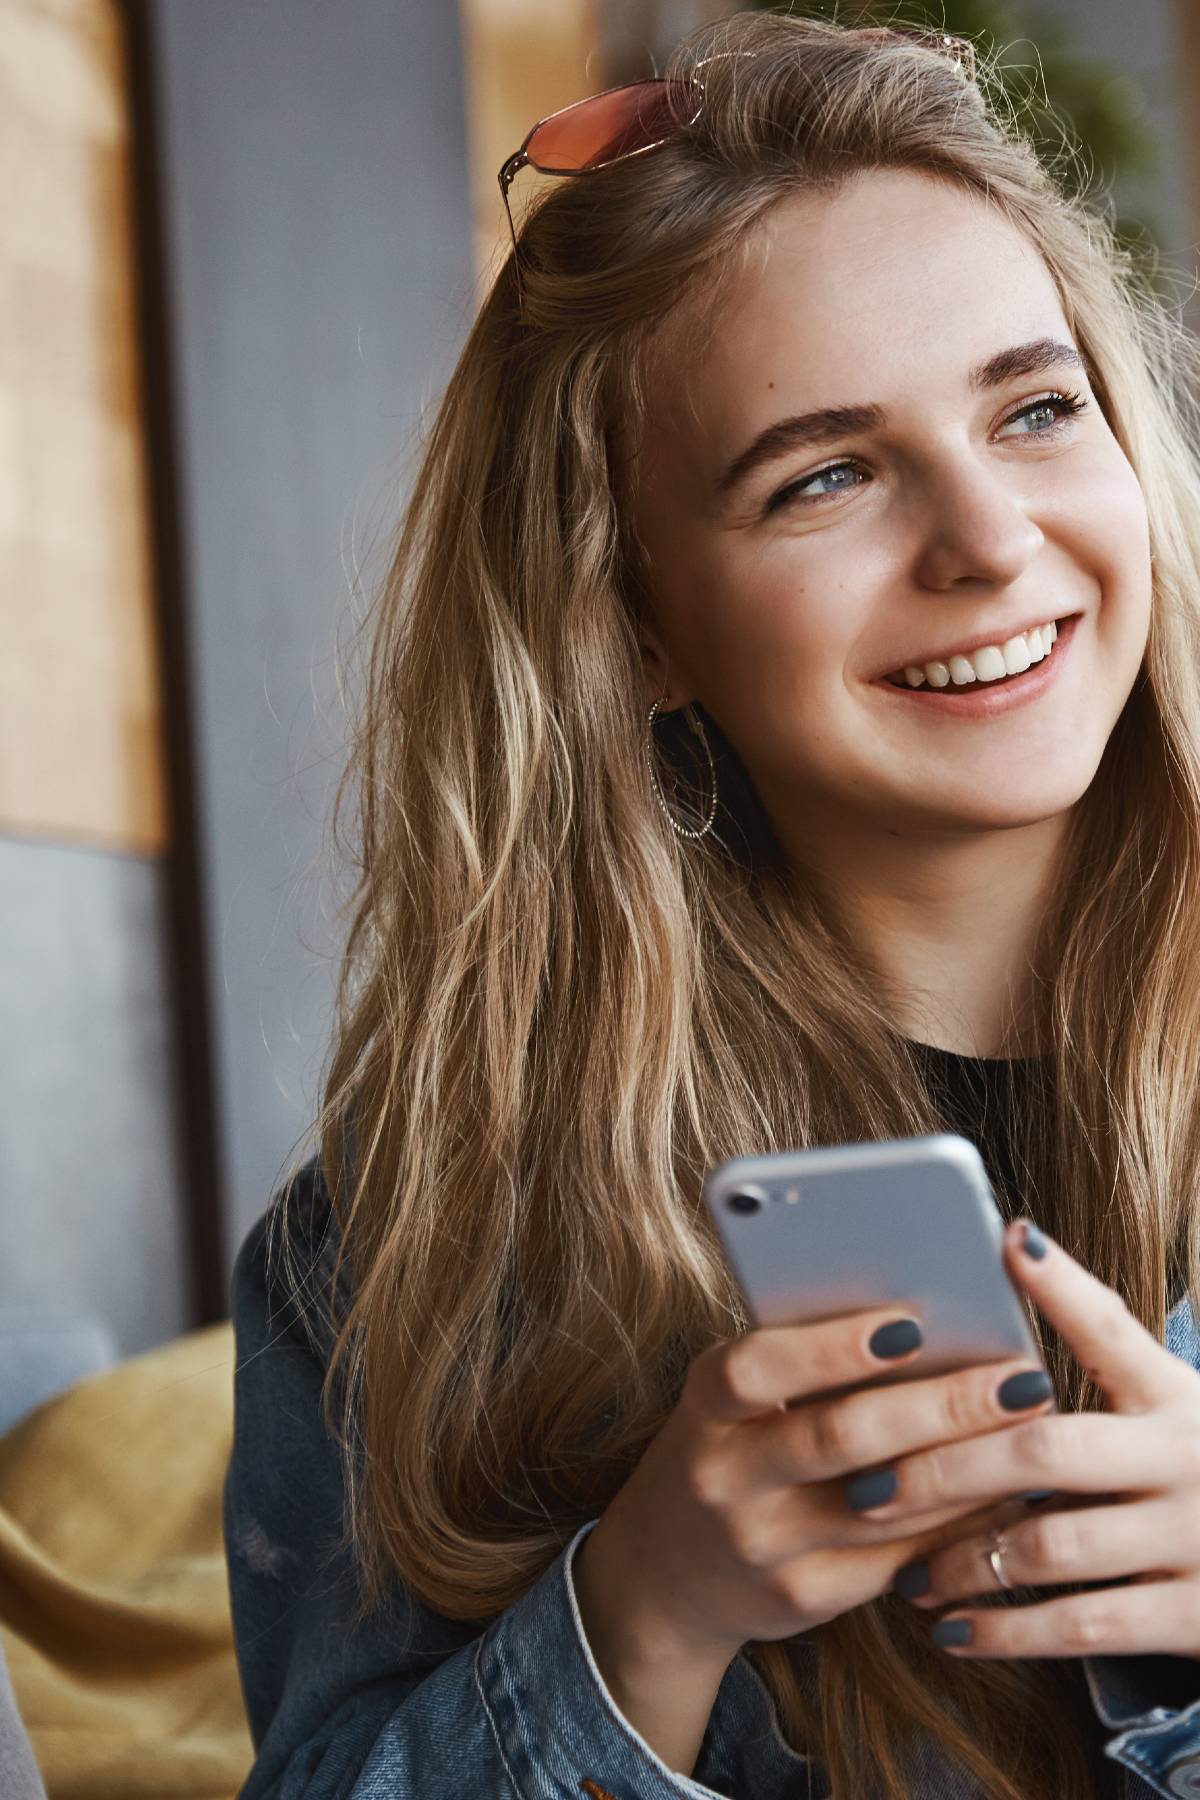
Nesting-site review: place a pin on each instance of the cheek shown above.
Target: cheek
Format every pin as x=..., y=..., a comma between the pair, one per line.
x=1107, y=530
x=770, y=653
x=771, y=628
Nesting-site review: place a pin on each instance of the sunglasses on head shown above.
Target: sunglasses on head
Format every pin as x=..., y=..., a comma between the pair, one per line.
x=640, y=115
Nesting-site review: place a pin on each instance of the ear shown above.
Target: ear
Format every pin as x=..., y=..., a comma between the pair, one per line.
x=656, y=672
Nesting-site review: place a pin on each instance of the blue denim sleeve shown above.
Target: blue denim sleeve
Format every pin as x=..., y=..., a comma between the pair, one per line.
x=411, y=1703
x=1152, y=1703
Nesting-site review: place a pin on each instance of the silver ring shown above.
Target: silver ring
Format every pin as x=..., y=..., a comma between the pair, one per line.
x=996, y=1549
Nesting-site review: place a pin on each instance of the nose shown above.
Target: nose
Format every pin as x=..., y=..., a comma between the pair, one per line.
x=977, y=528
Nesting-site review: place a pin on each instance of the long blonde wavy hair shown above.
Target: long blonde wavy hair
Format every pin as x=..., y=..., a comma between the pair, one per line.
x=553, y=1015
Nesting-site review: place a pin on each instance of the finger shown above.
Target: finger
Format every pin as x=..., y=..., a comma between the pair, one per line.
x=822, y=1512
x=857, y=1431
x=1081, y=1453
x=819, y=1513
x=1150, y=1617
x=859, y=1572
x=1097, y=1543
x=1133, y=1368
x=864, y=1572
x=765, y=1368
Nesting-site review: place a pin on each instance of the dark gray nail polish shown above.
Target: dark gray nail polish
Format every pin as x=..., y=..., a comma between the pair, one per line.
x=896, y=1338
x=911, y=1581
x=1028, y=1388
x=952, y=1631
x=1033, y=1243
x=1033, y=1495
x=875, y=1488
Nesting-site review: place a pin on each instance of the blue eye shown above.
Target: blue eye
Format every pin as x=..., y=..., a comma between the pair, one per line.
x=1063, y=406
x=797, y=487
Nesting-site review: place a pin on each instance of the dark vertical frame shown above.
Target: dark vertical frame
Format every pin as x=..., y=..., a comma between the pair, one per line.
x=185, y=926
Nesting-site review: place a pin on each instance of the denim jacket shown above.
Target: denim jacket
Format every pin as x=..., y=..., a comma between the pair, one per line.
x=414, y=1706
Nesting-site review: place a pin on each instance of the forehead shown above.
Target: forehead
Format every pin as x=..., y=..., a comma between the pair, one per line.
x=896, y=280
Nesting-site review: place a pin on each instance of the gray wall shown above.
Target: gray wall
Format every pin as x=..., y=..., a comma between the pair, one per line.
x=90, y=1190
x=318, y=244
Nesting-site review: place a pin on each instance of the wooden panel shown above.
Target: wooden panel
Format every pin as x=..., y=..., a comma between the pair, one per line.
x=80, y=754
x=522, y=60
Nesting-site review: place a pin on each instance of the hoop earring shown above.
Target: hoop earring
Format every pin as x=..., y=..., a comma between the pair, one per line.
x=695, y=725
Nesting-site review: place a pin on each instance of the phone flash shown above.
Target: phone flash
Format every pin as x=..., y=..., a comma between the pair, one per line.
x=791, y=1195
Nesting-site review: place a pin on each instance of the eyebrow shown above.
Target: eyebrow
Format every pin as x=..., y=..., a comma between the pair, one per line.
x=806, y=429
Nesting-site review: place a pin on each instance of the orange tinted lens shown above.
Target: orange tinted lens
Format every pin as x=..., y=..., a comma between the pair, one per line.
x=610, y=125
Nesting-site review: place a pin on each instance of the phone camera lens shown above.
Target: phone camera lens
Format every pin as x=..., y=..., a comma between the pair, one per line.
x=745, y=1200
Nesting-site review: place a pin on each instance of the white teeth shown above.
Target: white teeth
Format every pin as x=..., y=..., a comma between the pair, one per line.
x=991, y=663
x=1016, y=655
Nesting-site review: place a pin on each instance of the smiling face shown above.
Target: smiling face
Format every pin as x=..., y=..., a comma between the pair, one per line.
x=964, y=505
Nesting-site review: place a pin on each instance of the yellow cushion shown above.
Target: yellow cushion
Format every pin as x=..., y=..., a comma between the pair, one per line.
x=114, y=1605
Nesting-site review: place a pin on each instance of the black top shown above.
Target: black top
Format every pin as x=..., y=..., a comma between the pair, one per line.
x=982, y=1098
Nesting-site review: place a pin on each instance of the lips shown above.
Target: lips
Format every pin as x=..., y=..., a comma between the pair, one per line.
x=1033, y=637
x=985, y=699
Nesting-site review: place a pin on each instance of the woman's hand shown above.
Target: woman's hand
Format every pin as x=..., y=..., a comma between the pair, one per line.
x=739, y=1521
x=1141, y=1461
x=736, y=1522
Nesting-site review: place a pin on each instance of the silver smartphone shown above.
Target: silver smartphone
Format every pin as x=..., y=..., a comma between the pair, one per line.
x=810, y=1234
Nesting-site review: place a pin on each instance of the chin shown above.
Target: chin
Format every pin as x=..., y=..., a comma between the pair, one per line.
x=1027, y=805
x=1037, y=778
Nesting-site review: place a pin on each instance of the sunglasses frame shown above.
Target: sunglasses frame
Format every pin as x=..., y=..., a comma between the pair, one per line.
x=958, y=49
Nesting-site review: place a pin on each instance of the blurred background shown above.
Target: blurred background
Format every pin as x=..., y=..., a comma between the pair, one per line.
x=242, y=241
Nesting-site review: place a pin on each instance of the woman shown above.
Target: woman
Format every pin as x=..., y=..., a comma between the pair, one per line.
x=797, y=439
